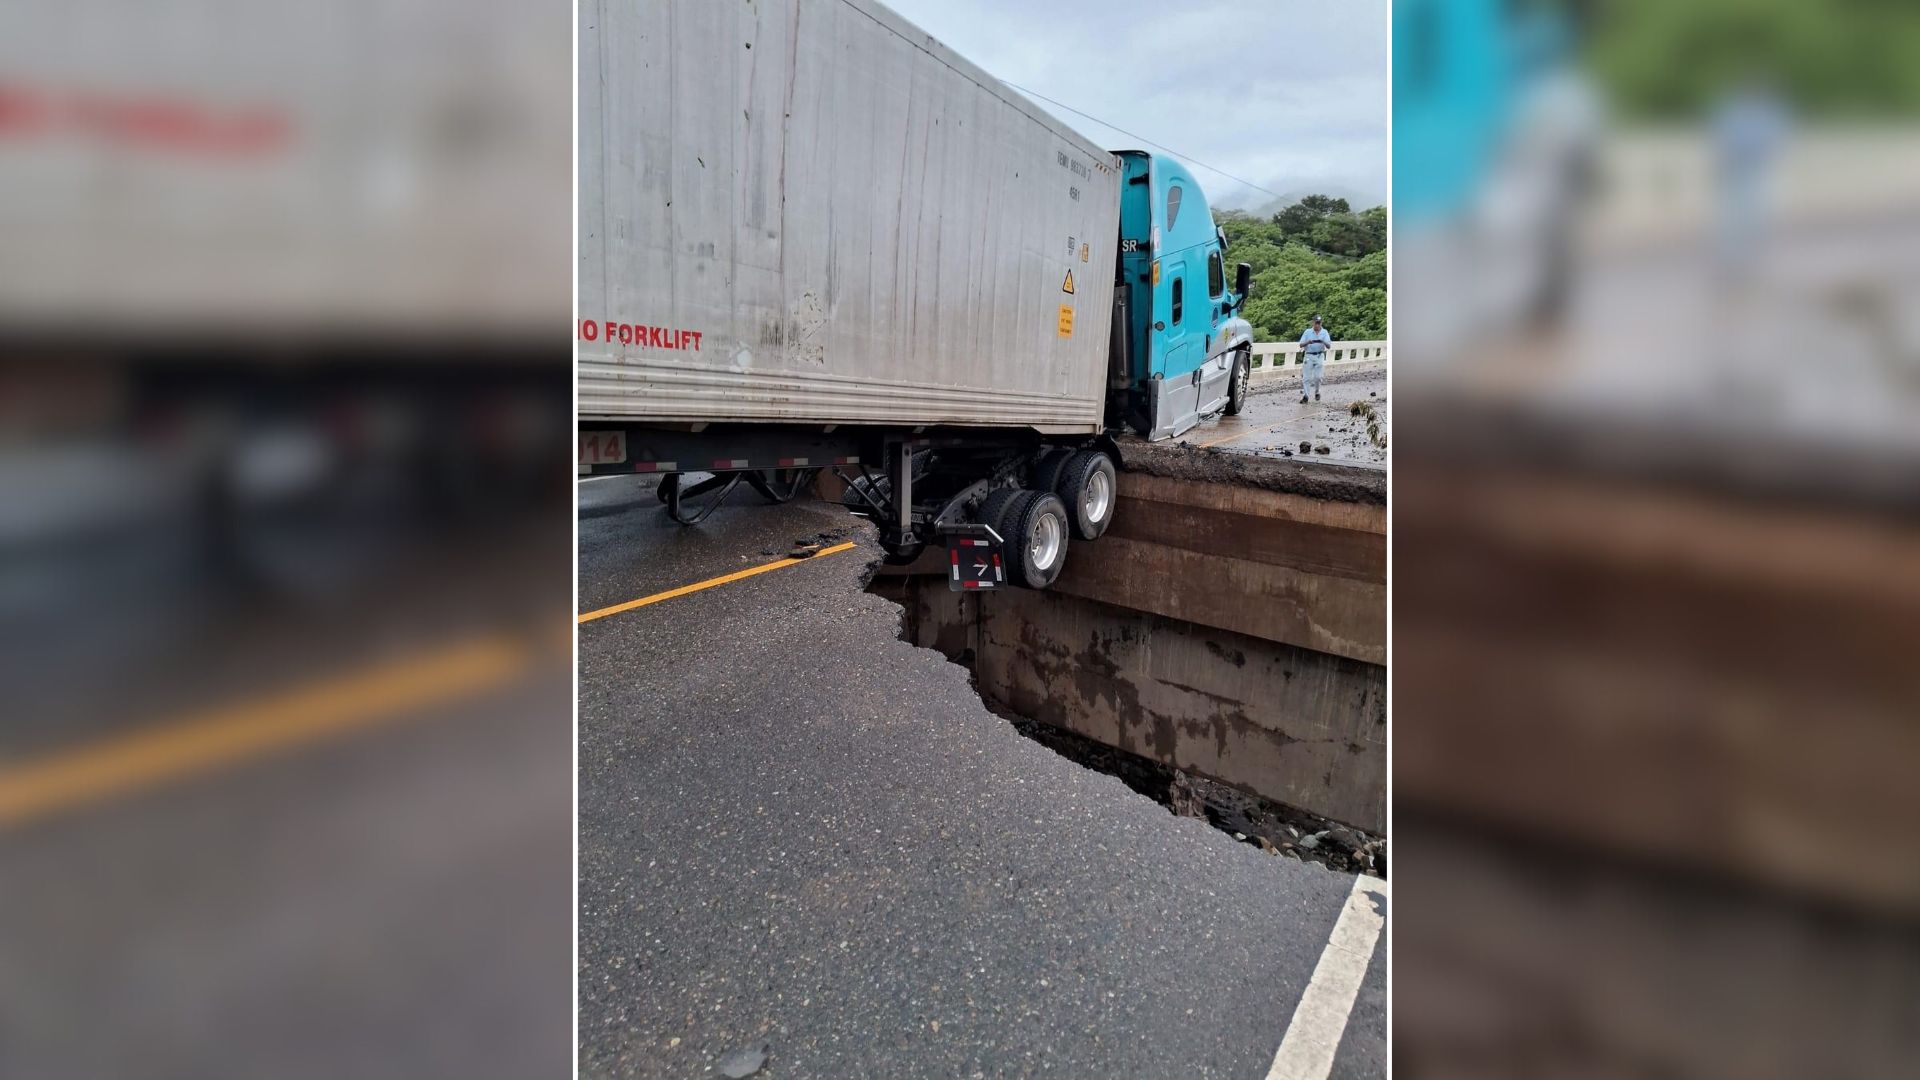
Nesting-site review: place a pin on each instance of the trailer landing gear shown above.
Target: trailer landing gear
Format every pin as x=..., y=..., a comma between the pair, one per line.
x=774, y=485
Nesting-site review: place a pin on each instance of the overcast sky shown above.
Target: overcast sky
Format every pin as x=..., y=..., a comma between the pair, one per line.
x=1289, y=94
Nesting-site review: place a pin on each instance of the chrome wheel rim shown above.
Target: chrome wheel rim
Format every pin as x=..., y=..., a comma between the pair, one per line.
x=1043, y=547
x=1099, y=496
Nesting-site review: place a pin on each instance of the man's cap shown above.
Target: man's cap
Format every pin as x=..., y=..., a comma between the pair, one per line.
x=1317, y=318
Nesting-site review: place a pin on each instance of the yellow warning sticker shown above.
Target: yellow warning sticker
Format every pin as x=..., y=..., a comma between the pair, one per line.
x=1084, y=250
x=1067, y=285
x=1066, y=320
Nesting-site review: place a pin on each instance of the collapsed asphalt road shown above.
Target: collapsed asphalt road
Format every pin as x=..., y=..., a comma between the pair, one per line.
x=803, y=838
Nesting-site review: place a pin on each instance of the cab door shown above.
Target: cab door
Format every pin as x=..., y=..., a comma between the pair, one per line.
x=1179, y=345
x=1216, y=373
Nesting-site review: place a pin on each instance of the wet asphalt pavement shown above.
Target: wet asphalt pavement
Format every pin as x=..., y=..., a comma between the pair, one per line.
x=382, y=902
x=1275, y=422
x=188, y=891
x=800, y=834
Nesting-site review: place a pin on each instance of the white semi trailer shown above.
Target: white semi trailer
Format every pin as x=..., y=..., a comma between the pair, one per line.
x=269, y=266
x=812, y=236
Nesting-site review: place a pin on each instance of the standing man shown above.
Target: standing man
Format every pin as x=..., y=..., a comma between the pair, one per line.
x=1748, y=130
x=1314, y=345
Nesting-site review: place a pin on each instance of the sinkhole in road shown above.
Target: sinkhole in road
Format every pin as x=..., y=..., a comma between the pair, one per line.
x=1066, y=673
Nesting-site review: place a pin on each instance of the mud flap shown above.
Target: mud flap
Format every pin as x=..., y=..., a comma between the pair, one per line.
x=973, y=558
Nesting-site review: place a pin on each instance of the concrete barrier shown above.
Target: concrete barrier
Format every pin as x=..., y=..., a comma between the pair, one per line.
x=1270, y=358
x=1659, y=185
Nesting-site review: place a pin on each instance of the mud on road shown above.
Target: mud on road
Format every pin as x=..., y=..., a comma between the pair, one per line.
x=1276, y=423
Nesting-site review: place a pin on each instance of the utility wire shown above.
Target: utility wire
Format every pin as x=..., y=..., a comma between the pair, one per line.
x=1144, y=139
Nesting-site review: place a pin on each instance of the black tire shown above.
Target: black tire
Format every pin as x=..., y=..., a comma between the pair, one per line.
x=993, y=511
x=1090, y=491
x=1038, y=520
x=1047, y=467
x=1237, y=385
x=880, y=489
x=902, y=556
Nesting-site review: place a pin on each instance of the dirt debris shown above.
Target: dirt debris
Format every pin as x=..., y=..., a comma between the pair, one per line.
x=1339, y=481
x=1374, y=421
x=1273, y=411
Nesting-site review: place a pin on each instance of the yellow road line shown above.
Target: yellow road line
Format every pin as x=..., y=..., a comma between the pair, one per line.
x=711, y=582
x=205, y=741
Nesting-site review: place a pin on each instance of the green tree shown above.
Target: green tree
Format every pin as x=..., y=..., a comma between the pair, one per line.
x=1324, y=205
x=1297, y=220
x=1316, y=256
x=1341, y=234
x=1661, y=59
x=1375, y=222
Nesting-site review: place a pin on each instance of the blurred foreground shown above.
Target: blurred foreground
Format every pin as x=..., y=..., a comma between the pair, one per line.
x=285, y=579
x=1657, y=558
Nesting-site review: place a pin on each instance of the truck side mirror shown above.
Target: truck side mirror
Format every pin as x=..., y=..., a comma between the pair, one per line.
x=1243, y=280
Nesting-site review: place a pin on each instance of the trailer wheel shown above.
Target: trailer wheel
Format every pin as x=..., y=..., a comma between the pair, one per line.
x=1036, y=548
x=1237, y=389
x=902, y=555
x=1048, y=467
x=1088, y=489
x=863, y=493
x=993, y=512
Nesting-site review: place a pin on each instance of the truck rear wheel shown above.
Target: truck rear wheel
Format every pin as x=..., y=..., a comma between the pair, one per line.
x=993, y=513
x=1089, y=490
x=1036, y=546
x=1048, y=467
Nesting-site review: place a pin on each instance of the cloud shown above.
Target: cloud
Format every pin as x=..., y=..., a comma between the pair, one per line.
x=1289, y=94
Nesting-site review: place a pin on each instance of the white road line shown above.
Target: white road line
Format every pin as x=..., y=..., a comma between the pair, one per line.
x=1306, y=1052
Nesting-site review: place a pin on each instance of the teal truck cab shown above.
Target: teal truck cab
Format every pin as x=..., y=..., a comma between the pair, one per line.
x=1180, y=349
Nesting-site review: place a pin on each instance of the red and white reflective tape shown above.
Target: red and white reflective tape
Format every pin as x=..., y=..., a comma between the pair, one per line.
x=955, y=552
x=739, y=463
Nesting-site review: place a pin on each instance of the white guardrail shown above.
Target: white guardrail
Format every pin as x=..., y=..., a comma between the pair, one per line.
x=1270, y=358
x=1662, y=183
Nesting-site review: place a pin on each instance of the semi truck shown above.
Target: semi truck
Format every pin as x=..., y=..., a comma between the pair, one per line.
x=814, y=238
x=280, y=291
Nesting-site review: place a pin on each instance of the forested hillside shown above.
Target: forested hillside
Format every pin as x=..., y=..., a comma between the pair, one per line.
x=1316, y=256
